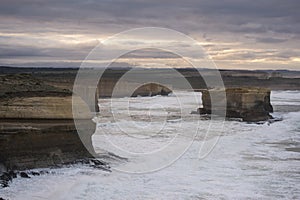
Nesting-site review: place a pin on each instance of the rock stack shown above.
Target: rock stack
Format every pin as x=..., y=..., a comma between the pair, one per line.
x=250, y=104
x=111, y=87
x=151, y=89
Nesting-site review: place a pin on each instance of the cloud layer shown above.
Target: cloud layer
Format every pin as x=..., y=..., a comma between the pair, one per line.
x=236, y=33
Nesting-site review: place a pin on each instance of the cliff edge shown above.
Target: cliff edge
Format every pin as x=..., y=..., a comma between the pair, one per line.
x=37, y=128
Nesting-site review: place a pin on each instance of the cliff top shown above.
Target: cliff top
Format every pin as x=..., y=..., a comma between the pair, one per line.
x=25, y=85
x=242, y=89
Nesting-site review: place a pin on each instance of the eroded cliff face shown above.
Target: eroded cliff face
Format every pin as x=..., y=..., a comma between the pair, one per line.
x=250, y=104
x=45, y=107
x=27, y=144
x=37, y=128
x=109, y=87
x=151, y=89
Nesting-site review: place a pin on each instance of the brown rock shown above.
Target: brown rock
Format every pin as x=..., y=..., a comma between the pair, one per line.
x=151, y=89
x=250, y=104
x=37, y=126
x=109, y=87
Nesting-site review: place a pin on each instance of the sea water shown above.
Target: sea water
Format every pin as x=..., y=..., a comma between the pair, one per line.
x=249, y=161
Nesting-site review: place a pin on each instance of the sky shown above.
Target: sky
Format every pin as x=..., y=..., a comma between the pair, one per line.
x=236, y=34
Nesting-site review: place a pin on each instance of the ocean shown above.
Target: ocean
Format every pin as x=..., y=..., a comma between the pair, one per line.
x=167, y=157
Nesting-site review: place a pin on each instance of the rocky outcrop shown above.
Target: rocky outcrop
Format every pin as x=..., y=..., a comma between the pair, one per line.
x=109, y=87
x=37, y=128
x=27, y=144
x=151, y=89
x=250, y=104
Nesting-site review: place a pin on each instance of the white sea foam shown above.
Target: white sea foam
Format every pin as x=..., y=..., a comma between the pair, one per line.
x=250, y=161
x=285, y=97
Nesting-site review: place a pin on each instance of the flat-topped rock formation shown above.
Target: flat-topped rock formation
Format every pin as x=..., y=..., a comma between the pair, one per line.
x=111, y=87
x=250, y=104
x=151, y=89
x=37, y=128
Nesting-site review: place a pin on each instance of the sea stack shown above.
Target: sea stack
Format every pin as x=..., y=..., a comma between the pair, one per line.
x=250, y=104
x=111, y=87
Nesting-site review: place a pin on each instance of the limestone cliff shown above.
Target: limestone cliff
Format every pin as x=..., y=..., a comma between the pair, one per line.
x=111, y=87
x=250, y=104
x=37, y=128
x=151, y=89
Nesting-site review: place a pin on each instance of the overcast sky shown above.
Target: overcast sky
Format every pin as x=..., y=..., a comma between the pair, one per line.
x=238, y=34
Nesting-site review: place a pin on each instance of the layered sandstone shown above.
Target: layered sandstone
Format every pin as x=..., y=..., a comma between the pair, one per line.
x=250, y=104
x=151, y=89
x=37, y=128
x=113, y=87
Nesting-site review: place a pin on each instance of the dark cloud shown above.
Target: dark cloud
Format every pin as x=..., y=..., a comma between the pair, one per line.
x=271, y=40
x=11, y=52
x=150, y=53
x=287, y=54
x=233, y=14
x=211, y=21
